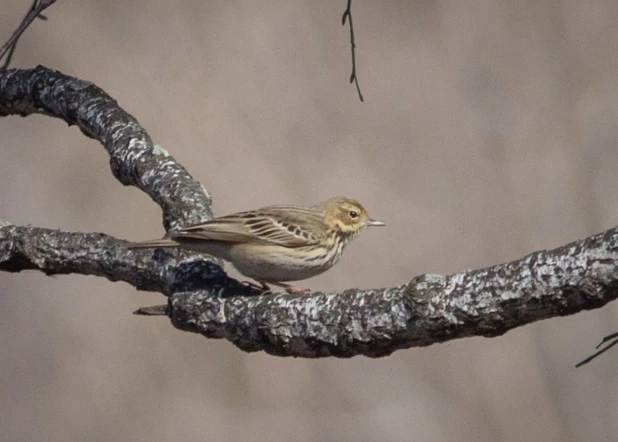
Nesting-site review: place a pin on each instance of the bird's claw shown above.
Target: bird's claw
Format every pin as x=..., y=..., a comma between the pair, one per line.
x=296, y=291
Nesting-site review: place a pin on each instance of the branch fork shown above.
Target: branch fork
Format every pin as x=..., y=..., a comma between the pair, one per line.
x=429, y=309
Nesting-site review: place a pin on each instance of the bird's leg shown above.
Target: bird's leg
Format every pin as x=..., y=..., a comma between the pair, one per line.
x=291, y=289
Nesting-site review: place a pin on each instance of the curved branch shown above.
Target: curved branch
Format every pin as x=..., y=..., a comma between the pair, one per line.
x=430, y=309
x=134, y=159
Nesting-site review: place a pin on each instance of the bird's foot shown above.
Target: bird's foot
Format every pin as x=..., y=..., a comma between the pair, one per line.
x=291, y=289
x=296, y=291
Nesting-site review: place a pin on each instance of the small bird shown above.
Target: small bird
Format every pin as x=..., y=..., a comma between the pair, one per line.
x=276, y=244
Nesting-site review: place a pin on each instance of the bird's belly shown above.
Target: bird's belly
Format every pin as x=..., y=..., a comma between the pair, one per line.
x=278, y=264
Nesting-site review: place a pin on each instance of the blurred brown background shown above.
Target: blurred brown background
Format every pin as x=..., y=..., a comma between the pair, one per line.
x=488, y=132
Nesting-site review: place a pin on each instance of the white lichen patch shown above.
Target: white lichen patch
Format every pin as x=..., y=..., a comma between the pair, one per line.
x=433, y=278
x=505, y=295
x=158, y=150
x=220, y=318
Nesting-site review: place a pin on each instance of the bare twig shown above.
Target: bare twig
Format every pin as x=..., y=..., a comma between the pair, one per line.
x=605, y=339
x=353, y=78
x=155, y=310
x=37, y=7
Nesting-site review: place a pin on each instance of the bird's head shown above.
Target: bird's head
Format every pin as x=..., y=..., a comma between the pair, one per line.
x=347, y=215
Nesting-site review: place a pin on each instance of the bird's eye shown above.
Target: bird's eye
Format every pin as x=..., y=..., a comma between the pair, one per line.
x=353, y=214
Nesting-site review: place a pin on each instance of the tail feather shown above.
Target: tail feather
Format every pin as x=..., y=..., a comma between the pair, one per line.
x=154, y=243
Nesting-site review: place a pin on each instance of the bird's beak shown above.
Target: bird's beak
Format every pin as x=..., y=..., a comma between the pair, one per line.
x=373, y=222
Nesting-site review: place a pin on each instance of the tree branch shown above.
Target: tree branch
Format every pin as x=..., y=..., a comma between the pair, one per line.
x=134, y=159
x=431, y=308
x=488, y=302
x=54, y=252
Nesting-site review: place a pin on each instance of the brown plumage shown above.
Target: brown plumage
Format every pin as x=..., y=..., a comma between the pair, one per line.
x=276, y=244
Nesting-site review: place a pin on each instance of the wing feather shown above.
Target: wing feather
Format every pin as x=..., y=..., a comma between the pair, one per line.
x=287, y=226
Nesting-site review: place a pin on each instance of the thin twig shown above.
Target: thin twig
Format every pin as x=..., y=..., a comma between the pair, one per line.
x=353, y=78
x=605, y=339
x=37, y=7
x=155, y=310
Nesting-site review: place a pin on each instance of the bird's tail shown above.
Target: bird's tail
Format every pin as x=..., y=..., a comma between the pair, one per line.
x=153, y=244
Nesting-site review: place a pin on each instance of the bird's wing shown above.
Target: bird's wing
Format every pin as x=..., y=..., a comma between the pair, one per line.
x=279, y=225
x=215, y=230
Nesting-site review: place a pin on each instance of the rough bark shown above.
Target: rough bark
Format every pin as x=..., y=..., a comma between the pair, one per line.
x=201, y=298
x=134, y=159
x=55, y=252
